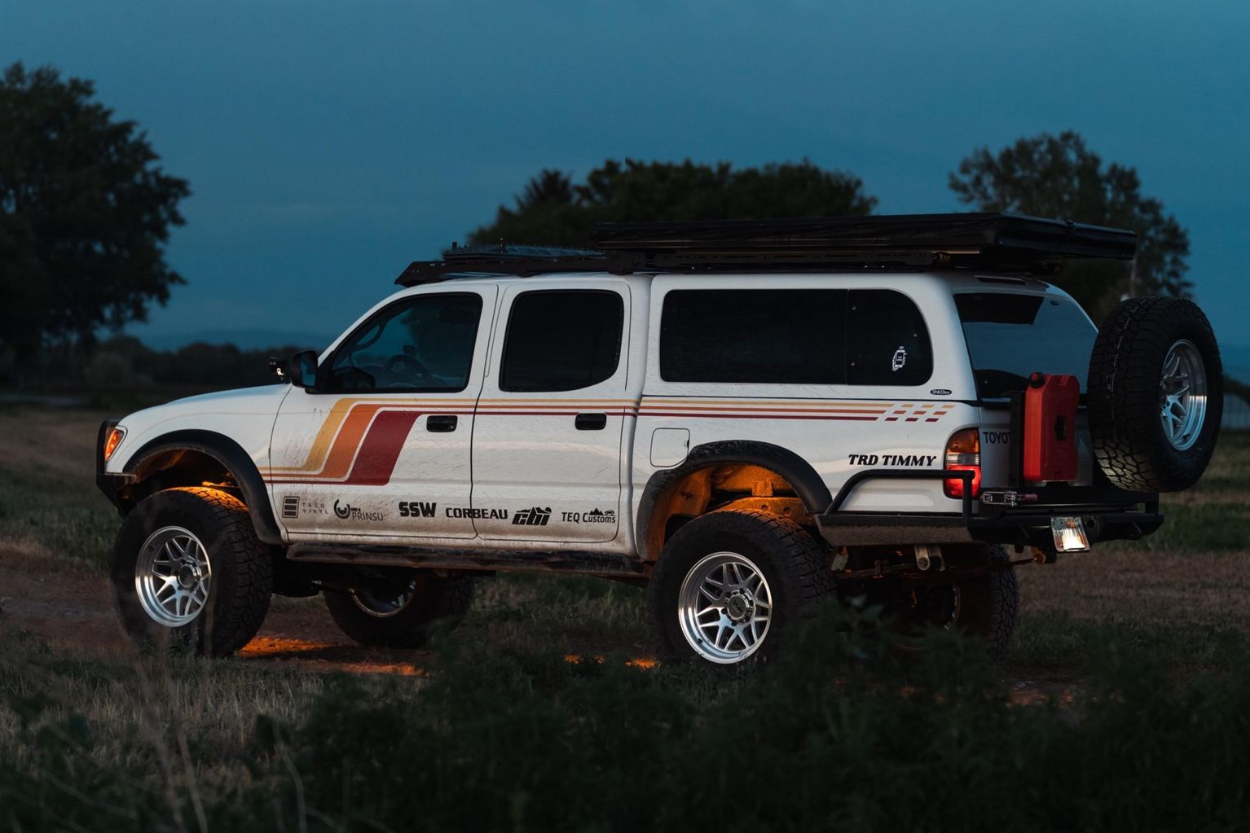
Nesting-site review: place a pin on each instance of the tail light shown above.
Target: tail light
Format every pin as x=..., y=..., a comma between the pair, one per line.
x=963, y=453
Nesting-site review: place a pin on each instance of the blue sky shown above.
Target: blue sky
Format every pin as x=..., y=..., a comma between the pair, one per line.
x=330, y=143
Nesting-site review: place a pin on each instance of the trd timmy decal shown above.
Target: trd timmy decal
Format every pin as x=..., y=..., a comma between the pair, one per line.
x=915, y=460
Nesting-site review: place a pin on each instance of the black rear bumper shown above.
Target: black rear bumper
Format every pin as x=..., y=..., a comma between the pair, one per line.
x=1109, y=514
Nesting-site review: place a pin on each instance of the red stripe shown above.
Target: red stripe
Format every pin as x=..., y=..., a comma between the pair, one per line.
x=379, y=451
x=755, y=416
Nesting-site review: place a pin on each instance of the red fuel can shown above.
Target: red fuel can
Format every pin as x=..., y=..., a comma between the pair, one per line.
x=1050, y=428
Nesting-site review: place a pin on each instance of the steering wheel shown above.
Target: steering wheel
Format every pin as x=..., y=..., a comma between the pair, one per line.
x=403, y=367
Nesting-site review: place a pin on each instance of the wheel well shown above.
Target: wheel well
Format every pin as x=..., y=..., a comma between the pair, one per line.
x=714, y=487
x=173, y=467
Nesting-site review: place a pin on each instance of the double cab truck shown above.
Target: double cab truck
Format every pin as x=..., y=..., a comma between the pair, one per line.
x=746, y=417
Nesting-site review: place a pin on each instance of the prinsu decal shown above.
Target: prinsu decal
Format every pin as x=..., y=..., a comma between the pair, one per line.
x=346, y=511
x=532, y=517
x=416, y=509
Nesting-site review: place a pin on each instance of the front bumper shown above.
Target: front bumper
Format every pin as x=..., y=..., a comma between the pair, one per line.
x=1109, y=514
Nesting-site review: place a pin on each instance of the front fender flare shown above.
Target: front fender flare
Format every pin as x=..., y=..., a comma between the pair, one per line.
x=232, y=456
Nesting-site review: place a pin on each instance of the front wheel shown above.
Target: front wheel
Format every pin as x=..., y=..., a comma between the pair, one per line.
x=188, y=571
x=400, y=613
x=729, y=584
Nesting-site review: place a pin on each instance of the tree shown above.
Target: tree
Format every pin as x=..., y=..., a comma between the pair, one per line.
x=552, y=210
x=1058, y=176
x=84, y=214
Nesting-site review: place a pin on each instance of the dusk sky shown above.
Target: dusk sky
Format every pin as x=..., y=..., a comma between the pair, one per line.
x=330, y=143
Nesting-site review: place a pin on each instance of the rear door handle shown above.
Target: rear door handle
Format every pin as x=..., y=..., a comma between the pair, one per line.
x=441, y=424
x=591, y=422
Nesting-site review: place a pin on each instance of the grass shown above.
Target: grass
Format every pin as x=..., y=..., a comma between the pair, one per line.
x=1125, y=690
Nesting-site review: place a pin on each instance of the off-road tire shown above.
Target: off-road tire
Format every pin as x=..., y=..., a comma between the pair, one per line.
x=242, y=571
x=794, y=564
x=1125, y=371
x=990, y=602
x=438, y=601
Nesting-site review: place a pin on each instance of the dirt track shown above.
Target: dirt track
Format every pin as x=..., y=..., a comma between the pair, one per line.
x=73, y=611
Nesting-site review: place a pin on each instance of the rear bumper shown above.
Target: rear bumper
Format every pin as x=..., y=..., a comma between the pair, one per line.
x=1109, y=514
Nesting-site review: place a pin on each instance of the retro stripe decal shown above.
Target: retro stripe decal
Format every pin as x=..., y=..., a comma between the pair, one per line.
x=360, y=441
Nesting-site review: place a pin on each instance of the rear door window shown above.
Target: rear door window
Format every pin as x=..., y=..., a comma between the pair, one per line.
x=1012, y=335
x=562, y=340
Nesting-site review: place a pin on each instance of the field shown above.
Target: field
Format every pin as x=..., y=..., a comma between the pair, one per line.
x=1127, y=683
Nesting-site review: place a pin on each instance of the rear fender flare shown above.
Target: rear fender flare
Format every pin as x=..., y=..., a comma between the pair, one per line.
x=798, y=473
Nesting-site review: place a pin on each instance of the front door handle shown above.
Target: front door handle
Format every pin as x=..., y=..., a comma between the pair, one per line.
x=591, y=422
x=441, y=424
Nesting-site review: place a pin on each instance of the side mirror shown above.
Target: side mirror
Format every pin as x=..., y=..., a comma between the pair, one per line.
x=301, y=369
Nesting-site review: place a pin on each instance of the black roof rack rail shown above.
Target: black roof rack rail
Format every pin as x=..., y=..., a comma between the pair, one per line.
x=999, y=242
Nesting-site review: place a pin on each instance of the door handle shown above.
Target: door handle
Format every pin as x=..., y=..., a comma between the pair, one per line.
x=441, y=423
x=590, y=422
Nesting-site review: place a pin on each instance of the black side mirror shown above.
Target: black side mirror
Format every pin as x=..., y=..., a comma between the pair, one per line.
x=301, y=369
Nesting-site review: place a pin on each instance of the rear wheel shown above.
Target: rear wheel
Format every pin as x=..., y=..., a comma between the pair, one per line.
x=400, y=613
x=729, y=584
x=979, y=596
x=188, y=571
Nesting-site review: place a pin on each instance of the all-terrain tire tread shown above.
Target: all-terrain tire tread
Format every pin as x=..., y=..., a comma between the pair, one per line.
x=802, y=562
x=1123, y=386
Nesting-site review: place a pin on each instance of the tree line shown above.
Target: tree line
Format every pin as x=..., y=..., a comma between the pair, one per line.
x=86, y=211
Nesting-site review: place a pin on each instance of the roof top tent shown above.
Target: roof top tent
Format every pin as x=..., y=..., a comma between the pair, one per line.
x=1001, y=242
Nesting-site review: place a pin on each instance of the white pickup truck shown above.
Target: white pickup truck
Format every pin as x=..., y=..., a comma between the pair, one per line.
x=744, y=416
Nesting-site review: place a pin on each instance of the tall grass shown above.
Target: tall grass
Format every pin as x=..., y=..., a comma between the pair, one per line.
x=841, y=733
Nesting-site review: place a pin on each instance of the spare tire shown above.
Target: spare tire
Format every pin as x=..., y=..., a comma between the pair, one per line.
x=1156, y=394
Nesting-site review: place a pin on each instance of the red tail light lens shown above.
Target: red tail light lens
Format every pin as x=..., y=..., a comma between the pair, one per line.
x=963, y=453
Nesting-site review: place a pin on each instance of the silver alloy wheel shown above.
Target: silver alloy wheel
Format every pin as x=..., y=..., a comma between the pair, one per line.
x=173, y=576
x=1183, y=395
x=725, y=607
x=386, y=604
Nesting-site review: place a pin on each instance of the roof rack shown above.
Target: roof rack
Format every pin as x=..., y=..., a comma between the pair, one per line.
x=999, y=242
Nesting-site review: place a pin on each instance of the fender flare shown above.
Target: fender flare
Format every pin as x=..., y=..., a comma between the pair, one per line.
x=229, y=454
x=798, y=472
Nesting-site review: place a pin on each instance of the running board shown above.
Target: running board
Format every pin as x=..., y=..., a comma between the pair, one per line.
x=556, y=561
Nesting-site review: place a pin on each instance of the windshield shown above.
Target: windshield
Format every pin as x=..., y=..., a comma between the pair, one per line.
x=1010, y=336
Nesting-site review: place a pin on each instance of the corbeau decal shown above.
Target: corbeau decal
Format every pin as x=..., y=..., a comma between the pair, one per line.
x=480, y=514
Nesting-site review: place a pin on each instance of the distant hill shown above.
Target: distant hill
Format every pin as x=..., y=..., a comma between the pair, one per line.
x=243, y=339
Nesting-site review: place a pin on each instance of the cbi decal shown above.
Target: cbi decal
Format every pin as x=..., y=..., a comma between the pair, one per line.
x=905, y=460
x=532, y=517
